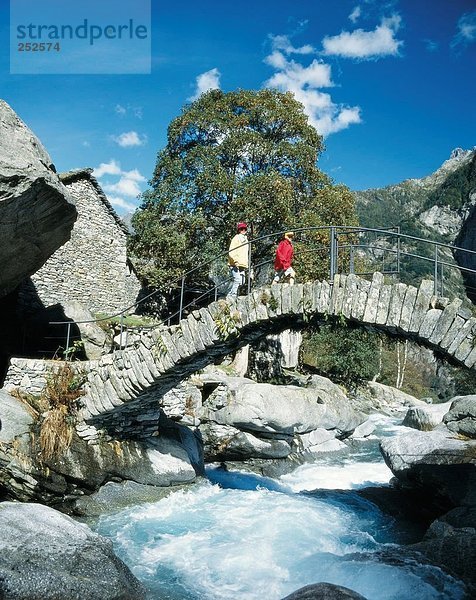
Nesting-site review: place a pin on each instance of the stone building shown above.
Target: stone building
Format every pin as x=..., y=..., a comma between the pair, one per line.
x=92, y=268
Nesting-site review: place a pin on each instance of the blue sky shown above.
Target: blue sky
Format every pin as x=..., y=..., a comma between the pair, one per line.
x=390, y=84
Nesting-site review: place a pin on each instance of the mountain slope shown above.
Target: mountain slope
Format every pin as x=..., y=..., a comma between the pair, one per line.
x=437, y=204
x=439, y=207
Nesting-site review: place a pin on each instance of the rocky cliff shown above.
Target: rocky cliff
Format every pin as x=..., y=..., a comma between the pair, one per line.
x=439, y=207
x=36, y=214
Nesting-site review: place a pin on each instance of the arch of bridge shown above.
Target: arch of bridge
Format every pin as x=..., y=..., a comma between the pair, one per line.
x=130, y=380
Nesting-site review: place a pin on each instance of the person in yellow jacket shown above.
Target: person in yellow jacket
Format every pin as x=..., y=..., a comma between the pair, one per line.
x=238, y=259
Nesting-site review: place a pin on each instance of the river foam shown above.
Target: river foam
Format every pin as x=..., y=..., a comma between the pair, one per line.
x=240, y=535
x=217, y=544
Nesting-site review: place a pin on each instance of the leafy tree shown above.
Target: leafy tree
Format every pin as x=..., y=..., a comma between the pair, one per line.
x=342, y=352
x=229, y=157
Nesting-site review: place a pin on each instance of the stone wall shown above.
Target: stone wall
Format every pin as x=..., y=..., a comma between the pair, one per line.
x=28, y=375
x=92, y=267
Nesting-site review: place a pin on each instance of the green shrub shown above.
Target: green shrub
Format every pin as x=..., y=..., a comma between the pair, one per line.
x=342, y=352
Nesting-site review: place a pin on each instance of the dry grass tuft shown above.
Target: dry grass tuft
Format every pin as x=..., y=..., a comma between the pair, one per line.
x=54, y=410
x=34, y=404
x=64, y=387
x=61, y=395
x=56, y=432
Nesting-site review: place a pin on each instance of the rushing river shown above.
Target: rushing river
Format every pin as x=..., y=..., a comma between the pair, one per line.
x=239, y=535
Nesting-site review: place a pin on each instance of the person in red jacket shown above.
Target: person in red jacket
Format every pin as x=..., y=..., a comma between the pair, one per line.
x=284, y=259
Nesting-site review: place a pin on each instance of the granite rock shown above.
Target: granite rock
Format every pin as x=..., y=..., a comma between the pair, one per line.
x=36, y=214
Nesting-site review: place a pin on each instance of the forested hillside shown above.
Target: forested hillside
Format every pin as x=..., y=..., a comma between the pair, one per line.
x=438, y=207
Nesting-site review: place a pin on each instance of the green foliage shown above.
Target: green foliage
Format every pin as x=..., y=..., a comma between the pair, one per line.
x=268, y=300
x=226, y=321
x=464, y=382
x=331, y=205
x=234, y=156
x=168, y=242
x=342, y=352
x=390, y=206
x=351, y=354
x=160, y=347
x=455, y=189
x=111, y=325
x=419, y=379
x=71, y=352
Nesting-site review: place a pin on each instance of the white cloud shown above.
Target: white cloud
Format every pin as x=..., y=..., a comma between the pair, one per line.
x=210, y=80
x=466, y=30
x=305, y=83
x=366, y=44
x=134, y=175
x=129, y=139
x=110, y=168
x=355, y=14
x=127, y=184
x=86, y=144
x=317, y=74
x=124, y=186
x=276, y=59
x=121, y=203
x=124, y=110
x=282, y=42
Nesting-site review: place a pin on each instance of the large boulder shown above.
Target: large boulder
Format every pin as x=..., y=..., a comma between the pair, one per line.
x=224, y=442
x=242, y=420
x=436, y=462
x=16, y=419
x=452, y=548
x=45, y=555
x=374, y=396
x=324, y=591
x=93, y=337
x=317, y=441
x=36, y=213
x=425, y=418
x=113, y=497
x=85, y=465
x=282, y=410
x=461, y=418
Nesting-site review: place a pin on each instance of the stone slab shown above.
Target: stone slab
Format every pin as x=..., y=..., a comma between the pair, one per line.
x=396, y=303
x=445, y=322
x=371, y=307
x=422, y=304
x=407, y=308
x=383, y=304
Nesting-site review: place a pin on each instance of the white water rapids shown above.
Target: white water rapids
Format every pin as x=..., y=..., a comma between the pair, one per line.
x=242, y=536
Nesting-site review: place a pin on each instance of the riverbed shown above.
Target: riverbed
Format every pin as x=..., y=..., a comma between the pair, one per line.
x=239, y=535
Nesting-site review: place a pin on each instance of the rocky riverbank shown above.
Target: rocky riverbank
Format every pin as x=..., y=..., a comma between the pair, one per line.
x=246, y=424
x=212, y=417
x=439, y=468
x=47, y=555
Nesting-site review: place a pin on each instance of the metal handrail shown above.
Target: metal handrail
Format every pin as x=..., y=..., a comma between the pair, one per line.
x=335, y=232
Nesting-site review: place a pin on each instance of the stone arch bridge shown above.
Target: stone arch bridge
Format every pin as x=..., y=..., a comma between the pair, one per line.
x=122, y=387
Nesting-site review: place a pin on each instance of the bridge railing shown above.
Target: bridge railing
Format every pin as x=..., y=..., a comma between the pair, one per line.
x=349, y=249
